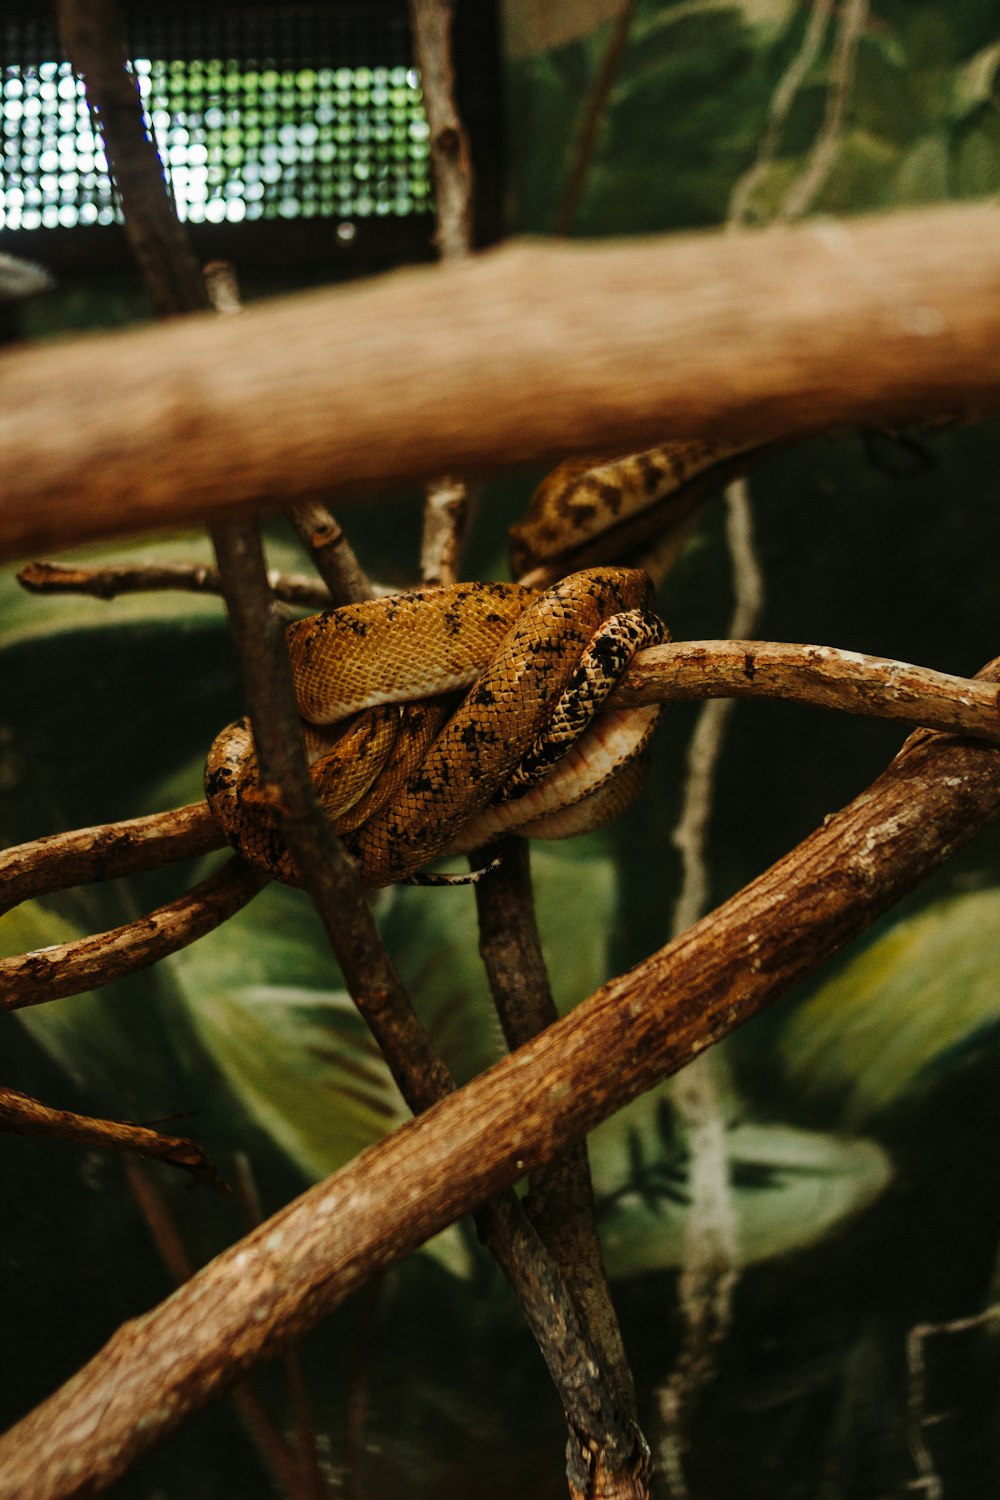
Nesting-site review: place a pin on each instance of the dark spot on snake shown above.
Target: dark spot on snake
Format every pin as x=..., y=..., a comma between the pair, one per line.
x=607, y=654
x=650, y=473
x=217, y=781
x=610, y=494
x=580, y=510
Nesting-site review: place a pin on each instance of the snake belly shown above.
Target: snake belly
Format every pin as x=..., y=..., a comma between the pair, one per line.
x=517, y=653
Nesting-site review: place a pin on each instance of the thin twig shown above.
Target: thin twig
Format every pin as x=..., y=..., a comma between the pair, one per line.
x=593, y=116
x=928, y=1481
x=22, y=1115
x=781, y=103
x=709, y=1272
x=335, y=559
x=803, y=192
x=447, y=505
x=280, y=1280
x=110, y=580
x=70, y=968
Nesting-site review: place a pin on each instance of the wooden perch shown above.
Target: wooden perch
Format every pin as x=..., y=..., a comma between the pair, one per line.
x=520, y=355
x=261, y=1294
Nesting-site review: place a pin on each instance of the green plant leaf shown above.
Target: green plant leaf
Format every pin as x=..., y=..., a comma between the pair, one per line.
x=790, y=1187
x=922, y=176
x=916, y=1003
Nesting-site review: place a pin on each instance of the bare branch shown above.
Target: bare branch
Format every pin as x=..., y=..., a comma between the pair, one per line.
x=447, y=506
x=331, y=879
x=328, y=875
x=741, y=199
x=106, y=851
x=108, y=581
x=709, y=1273
x=846, y=681
x=431, y=24
x=22, y=1115
x=593, y=116
x=91, y=34
x=446, y=521
x=822, y=675
x=803, y=192
x=265, y=1291
x=335, y=559
x=516, y=356
x=69, y=968
x=561, y=1200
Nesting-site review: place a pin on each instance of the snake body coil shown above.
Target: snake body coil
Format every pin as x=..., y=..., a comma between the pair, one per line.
x=519, y=753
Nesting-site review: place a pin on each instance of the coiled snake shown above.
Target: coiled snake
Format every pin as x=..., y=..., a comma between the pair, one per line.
x=521, y=752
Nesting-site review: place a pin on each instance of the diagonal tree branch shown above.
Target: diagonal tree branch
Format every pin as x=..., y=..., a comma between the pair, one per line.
x=22, y=1115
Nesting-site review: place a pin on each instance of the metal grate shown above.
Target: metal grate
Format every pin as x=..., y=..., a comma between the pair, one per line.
x=258, y=111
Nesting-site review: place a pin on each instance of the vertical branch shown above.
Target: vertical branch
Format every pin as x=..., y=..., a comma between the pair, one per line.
x=561, y=1201
x=446, y=511
x=91, y=34
x=431, y=22
x=709, y=1273
x=593, y=116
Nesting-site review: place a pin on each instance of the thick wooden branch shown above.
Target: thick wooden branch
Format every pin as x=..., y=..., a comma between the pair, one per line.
x=519, y=355
x=262, y=1293
x=824, y=676
x=106, y=852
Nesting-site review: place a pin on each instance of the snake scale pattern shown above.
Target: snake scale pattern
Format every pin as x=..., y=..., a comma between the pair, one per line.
x=407, y=769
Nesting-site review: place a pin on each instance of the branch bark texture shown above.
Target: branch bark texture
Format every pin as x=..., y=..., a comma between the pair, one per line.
x=279, y=1281
x=520, y=355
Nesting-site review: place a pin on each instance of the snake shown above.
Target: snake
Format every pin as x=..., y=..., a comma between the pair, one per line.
x=589, y=509
x=437, y=720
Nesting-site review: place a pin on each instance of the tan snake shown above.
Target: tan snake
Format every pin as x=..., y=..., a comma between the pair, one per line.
x=521, y=752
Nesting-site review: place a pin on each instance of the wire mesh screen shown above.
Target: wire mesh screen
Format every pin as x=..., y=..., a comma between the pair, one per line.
x=258, y=112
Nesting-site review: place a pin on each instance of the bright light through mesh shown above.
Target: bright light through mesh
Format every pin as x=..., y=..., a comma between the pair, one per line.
x=238, y=142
